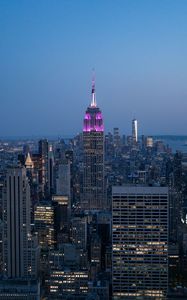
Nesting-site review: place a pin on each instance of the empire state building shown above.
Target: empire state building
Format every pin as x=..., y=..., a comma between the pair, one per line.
x=93, y=197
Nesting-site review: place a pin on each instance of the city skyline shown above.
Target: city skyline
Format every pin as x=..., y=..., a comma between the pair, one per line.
x=49, y=49
x=93, y=149
x=91, y=221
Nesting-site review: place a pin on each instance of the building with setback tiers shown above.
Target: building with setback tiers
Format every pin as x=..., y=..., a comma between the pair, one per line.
x=93, y=197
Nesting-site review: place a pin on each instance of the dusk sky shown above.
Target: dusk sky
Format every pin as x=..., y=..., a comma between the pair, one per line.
x=48, y=50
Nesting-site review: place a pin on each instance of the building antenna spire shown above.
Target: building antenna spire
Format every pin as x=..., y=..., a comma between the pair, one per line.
x=93, y=102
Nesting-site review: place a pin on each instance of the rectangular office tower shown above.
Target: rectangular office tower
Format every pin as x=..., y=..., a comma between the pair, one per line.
x=140, y=242
x=20, y=249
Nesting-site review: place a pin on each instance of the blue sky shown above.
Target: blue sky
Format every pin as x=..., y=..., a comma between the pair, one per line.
x=48, y=49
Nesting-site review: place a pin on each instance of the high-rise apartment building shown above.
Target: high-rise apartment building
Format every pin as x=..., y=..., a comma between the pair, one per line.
x=19, y=247
x=93, y=148
x=44, y=224
x=140, y=242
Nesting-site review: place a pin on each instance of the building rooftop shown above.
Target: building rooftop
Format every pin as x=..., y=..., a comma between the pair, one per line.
x=137, y=189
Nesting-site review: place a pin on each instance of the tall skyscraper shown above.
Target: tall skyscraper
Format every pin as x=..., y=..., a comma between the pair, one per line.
x=44, y=224
x=19, y=247
x=43, y=146
x=140, y=242
x=50, y=179
x=93, y=147
x=63, y=180
x=62, y=213
x=135, y=131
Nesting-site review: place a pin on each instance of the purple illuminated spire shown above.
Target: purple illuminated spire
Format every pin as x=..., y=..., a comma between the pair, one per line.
x=93, y=120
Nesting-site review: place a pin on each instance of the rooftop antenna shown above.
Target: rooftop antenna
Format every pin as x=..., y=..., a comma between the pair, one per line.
x=93, y=102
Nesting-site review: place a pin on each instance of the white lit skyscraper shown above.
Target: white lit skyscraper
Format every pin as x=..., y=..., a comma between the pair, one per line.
x=140, y=242
x=135, y=131
x=93, y=147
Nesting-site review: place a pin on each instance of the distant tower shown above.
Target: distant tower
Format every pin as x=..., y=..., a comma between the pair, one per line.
x=135, y=131
x=93, y=147
x=28, y=162
x=116, y=137
x=50, y=172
